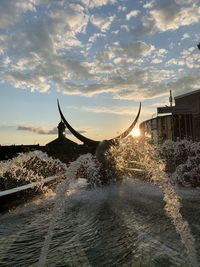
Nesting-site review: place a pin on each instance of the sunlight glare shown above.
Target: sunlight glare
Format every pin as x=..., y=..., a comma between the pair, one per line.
x=135, y=132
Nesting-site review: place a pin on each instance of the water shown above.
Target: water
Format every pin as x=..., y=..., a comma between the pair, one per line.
x=122, y=225
x=126, y=224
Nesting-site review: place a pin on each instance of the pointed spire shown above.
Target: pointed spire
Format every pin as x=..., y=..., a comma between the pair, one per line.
x=61, y=130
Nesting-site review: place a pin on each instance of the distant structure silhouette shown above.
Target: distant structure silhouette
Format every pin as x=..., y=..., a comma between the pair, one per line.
x=61, y=130
x=94, y=143
x=178, y=122
x=63, y=148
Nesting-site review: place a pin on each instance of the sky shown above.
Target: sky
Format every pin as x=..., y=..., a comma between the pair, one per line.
x=100, y=58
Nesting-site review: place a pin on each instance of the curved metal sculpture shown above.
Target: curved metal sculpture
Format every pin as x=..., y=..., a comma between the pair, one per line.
x=94, y=143
x=79, y=136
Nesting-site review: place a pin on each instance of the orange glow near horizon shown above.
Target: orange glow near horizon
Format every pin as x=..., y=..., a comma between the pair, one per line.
x=135, y=132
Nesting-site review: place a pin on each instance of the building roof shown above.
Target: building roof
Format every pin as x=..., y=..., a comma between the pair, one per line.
x=62, y=142
x=187, y=94
x=155, y=118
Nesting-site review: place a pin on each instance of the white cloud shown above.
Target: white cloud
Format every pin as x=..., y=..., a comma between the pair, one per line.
x=149, y=5
x=159, y=55
x=185, y=36
x=102, y=23
x=49, y=49
x=156, y=61
x=132, y=14
x=115, y=32
x=98, y=3
x=96, y=36
x=172, y=45
x=71, y=16
x=125, y=27
x=39, y=51
x=122, y=8
x=34, y=81
x=188, y=58
x=171, y=16
x=6, y=60
x=121, y=111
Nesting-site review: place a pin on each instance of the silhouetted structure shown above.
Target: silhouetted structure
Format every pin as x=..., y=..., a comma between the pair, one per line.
x=93, y=144
x=175, y=122
x=62, y=147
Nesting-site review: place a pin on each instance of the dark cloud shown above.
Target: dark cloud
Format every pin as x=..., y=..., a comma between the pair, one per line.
x=53, y=131
x=37, y=130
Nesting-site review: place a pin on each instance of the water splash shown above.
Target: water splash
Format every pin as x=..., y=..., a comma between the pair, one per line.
x=29, y=167
x=142, y=153
x=132, y=158
x=88, y=163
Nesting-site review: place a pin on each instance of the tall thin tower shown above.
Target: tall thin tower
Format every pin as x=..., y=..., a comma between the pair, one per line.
x=170, y=99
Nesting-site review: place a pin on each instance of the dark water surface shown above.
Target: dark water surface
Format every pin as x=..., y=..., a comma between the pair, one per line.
x=121, y=225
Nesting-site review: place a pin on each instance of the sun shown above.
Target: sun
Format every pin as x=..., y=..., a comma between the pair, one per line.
x=135, y=132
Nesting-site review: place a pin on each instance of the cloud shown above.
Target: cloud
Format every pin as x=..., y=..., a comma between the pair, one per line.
x=141, y=83
x=156, y=61
x=152, y=86
x=102, y=23
x=159, y=55
x=96, y=36
x=137, y=49
x=149, y=5
x=97, y=3
x=189, y=58
x=132, y=14
x=172, y=16
x=120, y=110
x=185, y=36
x=40, y=48
x=131, y=53
x=52, y=45
x=38, y=130
x=121, y=8
x=10, y=11
x=145, y=26
x=185, y=83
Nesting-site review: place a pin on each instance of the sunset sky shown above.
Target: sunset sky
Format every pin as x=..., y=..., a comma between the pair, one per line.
x=99, y=57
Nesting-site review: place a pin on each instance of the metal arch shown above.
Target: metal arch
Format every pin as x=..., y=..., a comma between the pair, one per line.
x=91, y=142
x=79, y=136
x=127, y=132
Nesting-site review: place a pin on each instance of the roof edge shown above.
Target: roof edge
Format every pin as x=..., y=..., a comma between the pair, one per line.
x=187, y=94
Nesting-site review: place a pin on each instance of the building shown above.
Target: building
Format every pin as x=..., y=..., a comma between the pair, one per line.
x=62, y=148
x=181, y=121
x=158, y=129
x=61, y=143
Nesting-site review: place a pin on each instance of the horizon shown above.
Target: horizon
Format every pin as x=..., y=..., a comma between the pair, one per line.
x=99, y=58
